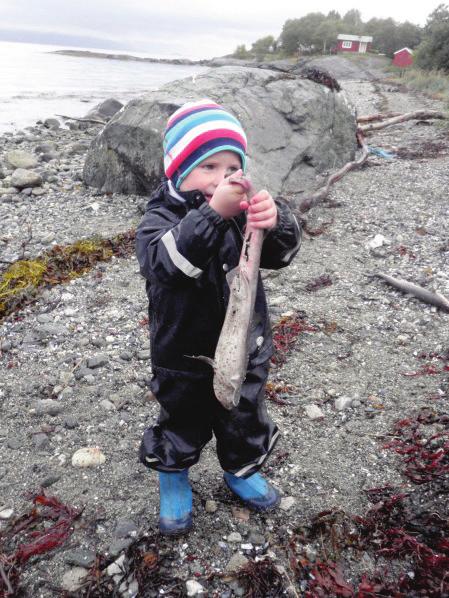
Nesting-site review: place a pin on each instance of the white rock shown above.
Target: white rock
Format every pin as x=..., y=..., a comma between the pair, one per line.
x=88, y=457
x=377, y=241
x=73, y=578
x=313, y=412
x=343, y=403
x=287, y=503
x=6, y=513
x=117, y=567
x=234, y=537
x=194, y=588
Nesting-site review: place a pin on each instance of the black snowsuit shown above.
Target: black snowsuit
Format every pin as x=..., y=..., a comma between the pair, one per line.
x=184, y=250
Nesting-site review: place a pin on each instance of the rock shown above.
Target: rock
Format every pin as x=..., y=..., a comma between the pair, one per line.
x=107, y=405
x=377, y=241
x=211, y=506
x=48, y=407
x=287, y=503
x=6, y=513
x=50, y=480
x=343, y=403
x=240, y=513
x=194, y=588
x=21, y=159
x=116, y=547
x=71, y=422
x=47, y=331
x=144, y=355
x=313, y=412
x=97, y=361
x=22, y=178
x=52, y=123
x=41, y=441
x=117, y=567
x=105, y=110
x=299, y=130
x=80, y=557
x=236, y=562
x=256, y=538
x=124, y=528
x=45, y=147
x=73, y=578
x=14, y=443
x=88, y=457
x=234, y=537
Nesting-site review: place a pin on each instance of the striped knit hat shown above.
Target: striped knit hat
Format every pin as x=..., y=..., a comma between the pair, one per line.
x=196, y=131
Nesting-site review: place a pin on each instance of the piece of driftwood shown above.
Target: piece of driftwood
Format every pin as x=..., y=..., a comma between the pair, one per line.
x=417, y=115
x=321, y=194
x=375, y=117
x=83, y=120
x=419, y=292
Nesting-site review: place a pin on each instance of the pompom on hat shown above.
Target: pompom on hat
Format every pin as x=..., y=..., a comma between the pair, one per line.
x=196, y=131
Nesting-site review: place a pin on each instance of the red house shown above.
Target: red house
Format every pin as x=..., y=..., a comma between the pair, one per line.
x=403, y=58
x=353, y=43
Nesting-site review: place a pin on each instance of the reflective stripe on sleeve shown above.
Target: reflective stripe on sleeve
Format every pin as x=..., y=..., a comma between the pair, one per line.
x=288, y=255
x=179, y=260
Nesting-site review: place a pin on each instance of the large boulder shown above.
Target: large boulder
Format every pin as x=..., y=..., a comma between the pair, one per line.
x=297, y=130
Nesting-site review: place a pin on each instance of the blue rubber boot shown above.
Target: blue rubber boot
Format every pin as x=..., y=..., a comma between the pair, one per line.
x=175, y=494
x=255, y=491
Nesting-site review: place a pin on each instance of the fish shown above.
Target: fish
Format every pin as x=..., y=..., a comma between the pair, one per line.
x=421, y=293
x=230, y=360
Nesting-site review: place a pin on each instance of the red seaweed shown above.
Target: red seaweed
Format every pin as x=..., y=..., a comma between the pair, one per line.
x=285, y=333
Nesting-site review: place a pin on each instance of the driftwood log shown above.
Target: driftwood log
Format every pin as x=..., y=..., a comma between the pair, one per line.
x=83, y=120
x=417, y=115
x=417, y=291
x=321, y=194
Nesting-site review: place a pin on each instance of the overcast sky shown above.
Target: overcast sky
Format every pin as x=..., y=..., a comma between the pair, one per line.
x=193, y=28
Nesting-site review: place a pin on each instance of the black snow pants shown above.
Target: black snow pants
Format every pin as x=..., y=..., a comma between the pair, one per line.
x=190, y=414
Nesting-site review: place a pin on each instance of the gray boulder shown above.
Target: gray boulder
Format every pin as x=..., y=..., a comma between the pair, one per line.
x=297, y=131
x=21, y=159
x=22, y=178
x=105, y=110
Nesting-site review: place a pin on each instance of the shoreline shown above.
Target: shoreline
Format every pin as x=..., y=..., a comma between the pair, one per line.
x=131, y=58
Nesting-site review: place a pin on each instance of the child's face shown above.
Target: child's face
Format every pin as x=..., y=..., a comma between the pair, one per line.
x=210, y=173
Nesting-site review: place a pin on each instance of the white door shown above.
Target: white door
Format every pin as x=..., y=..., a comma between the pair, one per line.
x=362, y=47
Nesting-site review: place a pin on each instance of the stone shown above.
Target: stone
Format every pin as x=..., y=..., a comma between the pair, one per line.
x=50, y=480
x=107, y=405
x=14, y=443
x=124, y=528
x=313, y=412
x=88, y=457
x=299, y=131
x=116, y=547
x=48, y=407
x=52, y=123
x=287, y=503
x=237, y=561
x=21, y=159
x=41, y=441
x=343, y=403
x=234, y=537
x=22, y=178
x=144, y=355
x=71, y=422
x=97, y=361
x=105, y=110
x=194, y=588
x=6, y=513
x=73, y=579
x=211, y=506
x=256, y=538
x=80, y=557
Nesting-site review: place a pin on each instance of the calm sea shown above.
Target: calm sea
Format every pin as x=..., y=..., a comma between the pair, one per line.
x=35, y=84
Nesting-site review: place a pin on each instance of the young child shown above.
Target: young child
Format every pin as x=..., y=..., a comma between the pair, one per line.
x=188, y=239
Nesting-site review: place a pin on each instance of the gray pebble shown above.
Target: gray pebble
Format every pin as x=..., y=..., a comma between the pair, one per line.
x=97, y=361
x=71, y=422
x=80, y=557
x=41, y=441
x=116, y=547
x=124, y=528
x=14, y=443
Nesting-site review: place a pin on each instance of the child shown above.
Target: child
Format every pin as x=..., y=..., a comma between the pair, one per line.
x=189, y=237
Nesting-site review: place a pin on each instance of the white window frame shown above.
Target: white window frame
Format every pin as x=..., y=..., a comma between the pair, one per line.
x=346, y=44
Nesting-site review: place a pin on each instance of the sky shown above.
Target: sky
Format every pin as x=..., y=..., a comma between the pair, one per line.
x=176, y=28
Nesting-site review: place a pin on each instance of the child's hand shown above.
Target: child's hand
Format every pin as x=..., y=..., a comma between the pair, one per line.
x=262, y=211
x=229, y=198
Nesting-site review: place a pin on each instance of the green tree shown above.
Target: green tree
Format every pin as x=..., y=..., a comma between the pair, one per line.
x=408, y=35
x=262, y=46
x=433, y=52
x=327, y=33
x=301, y=32
x=241, y=52
x=384, y=33
x=352, y=22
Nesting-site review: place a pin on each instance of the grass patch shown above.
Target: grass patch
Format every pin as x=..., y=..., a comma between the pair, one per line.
x=434, y=84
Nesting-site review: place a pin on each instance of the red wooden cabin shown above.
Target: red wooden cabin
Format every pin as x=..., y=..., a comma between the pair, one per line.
x=403, y=57
x=354, y=43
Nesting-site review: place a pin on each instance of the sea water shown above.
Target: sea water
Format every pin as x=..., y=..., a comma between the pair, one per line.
x=36, y=84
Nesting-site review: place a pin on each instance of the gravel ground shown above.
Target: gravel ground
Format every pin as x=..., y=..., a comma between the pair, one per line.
x=75, y=365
